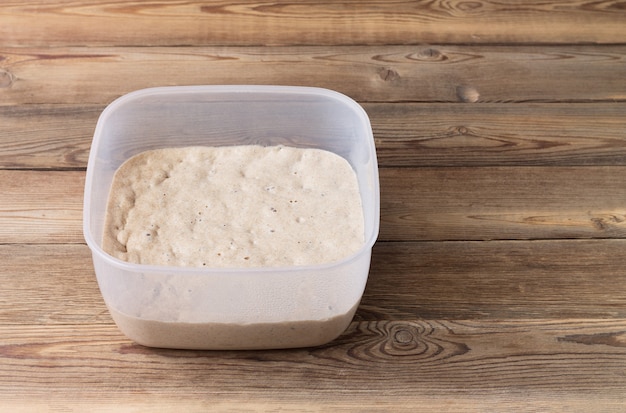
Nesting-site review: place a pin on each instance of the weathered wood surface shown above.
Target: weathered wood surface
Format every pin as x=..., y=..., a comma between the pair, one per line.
x=463, y=365
x=499, y=279
x=58, y=136
x=417, y=204
x=499, y=325
x=409, y=280
x=420, y=73
x=176, y=23
x=41, y=206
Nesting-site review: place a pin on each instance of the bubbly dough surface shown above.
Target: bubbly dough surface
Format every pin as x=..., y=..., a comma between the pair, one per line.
x=234, y=206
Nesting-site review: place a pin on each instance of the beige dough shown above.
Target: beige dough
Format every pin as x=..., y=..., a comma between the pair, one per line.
x=235, y=206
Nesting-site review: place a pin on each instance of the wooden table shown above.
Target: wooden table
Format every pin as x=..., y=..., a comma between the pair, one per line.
x=499, y=279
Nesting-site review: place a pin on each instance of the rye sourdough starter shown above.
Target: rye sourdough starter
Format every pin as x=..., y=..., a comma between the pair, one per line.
x=236, y=206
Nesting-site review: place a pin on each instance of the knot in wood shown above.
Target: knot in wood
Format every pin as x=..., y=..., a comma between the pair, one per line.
x=403, y=336
x=462, y=130
x=388, y=74
x=406, y=340
x=431, y=54
x=6, y=78
x=607, y=222
x=469, y=6
x=467, y=94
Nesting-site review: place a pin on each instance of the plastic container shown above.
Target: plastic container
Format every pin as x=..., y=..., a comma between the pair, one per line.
x=199, y=308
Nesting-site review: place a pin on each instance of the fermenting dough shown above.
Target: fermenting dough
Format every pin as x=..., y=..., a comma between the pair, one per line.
x=234, y=206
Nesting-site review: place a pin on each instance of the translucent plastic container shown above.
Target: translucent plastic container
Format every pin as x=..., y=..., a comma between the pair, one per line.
x=200, y=308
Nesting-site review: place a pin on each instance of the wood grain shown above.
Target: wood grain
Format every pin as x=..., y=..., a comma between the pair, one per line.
x=408, y=280
x=522, y=134
x=46, y=136
x=479, y=203
x=497, y=283
x=496, y=279
x=60, y=342
x=502, y=203
x=49, y=284
x=490, y=363
x=378, y=73
x=40, y=207
x=307, y=22
x=58, y=136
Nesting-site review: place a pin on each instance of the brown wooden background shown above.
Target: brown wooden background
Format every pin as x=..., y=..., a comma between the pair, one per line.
x=499, y=279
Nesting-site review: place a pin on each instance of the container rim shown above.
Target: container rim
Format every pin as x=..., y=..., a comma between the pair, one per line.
x=240, y=89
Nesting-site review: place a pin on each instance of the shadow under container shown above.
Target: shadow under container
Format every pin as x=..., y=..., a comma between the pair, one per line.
x=251, y=308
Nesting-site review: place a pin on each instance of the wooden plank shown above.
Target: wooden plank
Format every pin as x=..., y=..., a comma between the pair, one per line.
x=408, y=280
x=58, y=136
x=49, y=284
x=528, y=134
x=466, y=403
x=40, y=207
x=496, y=279
x=502, y=203
x=478, y=203
x=467, y=74
x=46, y=136
x=502, y=365
x=100, y=22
